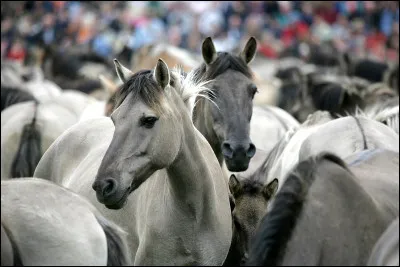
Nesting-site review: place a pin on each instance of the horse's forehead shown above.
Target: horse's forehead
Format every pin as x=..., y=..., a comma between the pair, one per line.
x=232, y=83
x=233, y=77
x=129, y=106
x=250, y=205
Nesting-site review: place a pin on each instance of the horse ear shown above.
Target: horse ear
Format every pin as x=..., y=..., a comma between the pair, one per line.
x=249, y=50
x=346, y=63
x=123, y=72
x=391, y=77
x=270, y=189
x=161, y=74
x=108, y=85
x=208, y=51
x=234, y=184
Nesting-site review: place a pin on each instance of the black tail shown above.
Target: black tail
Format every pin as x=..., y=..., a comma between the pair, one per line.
x=29, y=150
x=276, y=227
x=117, y=244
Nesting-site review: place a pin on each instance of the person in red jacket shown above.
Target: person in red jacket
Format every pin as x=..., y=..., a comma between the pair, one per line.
x=17, y=51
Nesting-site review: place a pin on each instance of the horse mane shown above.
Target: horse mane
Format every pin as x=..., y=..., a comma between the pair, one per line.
x=277, y=226
x=29, y=151
x=143, y=85
x=225, y=61
x=117, y=248
x=12, y=95
x=16, y=255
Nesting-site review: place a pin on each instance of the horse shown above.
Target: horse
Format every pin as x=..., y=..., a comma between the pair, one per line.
x=147, y=56
x=44, y=90
x=172, y=217
x=58, y=228
x=252, y=194
x=79, y=103
x=386, y=112
x=226, y=125
x=343, y=136
x=11, y=96
x=27, y=130
x=12, y=74
x=29, y=79
x=326, y=205
x=76, y=70
x=372, y=70
x=386, y=249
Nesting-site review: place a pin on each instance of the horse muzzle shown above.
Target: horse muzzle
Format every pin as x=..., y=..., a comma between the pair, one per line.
x=110, y=193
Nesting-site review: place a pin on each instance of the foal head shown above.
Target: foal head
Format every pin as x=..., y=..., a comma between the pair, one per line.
x=251, y=198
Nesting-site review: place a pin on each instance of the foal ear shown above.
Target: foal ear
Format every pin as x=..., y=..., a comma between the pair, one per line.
x=208, y=51
x=234, y=184
x=161, y=74
x=270, y=189
x=123, y=72
x=249, y=50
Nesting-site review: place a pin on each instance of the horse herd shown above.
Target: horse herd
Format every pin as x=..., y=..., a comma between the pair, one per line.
x=188, y=165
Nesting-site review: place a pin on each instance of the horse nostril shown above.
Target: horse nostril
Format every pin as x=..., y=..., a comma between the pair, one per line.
x=251, y=151
x=227, y=150
x=95, y=185
x=109, y=187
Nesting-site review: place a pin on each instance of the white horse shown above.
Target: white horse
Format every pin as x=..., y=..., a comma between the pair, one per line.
x=27, y=130
x=56, y=227
x=343, y=136
x=42, y=89
x=174, y=203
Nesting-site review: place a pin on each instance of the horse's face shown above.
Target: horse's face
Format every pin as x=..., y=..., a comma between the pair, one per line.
x=250, y=206
x=233, y=93
x=146, y=138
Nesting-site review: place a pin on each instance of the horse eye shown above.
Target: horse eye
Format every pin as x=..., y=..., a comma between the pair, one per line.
x=148, y=122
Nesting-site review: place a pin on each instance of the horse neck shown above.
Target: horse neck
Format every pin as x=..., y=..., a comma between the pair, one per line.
x=190, y=174
x=202, y=121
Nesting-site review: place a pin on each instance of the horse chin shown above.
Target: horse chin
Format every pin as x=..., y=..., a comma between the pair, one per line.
x=234, y=166
x=116, y=206
x=121, y=202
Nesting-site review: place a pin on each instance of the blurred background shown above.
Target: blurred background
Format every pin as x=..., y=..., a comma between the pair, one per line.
x=368, y=29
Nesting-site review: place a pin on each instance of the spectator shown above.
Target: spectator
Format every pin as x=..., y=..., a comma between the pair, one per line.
x=356, y=26
x=16, y=52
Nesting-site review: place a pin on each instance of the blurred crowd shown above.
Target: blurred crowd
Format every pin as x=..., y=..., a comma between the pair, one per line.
x=365, y=28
